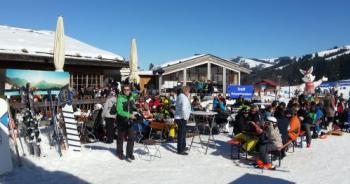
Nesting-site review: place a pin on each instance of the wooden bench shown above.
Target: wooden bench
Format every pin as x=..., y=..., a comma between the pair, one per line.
x=235, y=143
x=302, y=137
x=280, y=150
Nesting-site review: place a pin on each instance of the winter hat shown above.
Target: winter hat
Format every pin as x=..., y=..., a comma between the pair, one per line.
x=271, y=119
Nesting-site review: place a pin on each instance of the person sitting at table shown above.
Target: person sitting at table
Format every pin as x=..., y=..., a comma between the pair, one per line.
x=154, y=103
x=249, y=131
x=221, y=117
x=241, y=120
x=196, y=105
x=173, y=127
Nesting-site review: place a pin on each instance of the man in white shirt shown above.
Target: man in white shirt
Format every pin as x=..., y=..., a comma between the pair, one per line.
x=182, y=114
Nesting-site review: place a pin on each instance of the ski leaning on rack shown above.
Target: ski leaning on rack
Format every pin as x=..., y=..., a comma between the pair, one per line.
x=31, y=122
x=56, y=137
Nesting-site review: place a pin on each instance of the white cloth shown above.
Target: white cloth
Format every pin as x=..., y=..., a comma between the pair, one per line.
x=183, y=107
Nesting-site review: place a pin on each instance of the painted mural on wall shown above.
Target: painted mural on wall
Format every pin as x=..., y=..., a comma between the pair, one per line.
x=15, y=79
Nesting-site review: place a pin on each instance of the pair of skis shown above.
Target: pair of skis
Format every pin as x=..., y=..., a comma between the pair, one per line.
x=56, y=138
x=253, y=165
x=31, y=122
x=65, y=96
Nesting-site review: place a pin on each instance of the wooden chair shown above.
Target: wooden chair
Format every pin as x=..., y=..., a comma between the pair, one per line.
x=158, y=126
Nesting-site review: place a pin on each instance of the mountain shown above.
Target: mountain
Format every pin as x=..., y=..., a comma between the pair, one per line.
x=46, y=85
x=16, y=82
x=333, y=63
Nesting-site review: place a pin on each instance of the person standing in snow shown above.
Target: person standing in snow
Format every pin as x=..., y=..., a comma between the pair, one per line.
x=329, y=107
x=126, y=114
x=182, y=114
x=108, y=117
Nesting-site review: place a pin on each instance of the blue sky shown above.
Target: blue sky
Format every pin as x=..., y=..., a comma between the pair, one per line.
x=169, y=29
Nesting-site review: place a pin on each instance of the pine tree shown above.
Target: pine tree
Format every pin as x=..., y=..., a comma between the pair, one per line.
x=150, y=66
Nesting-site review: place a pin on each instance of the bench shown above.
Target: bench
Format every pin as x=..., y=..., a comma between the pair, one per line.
x=302, y=138
x=238, y=145
x=279, y=151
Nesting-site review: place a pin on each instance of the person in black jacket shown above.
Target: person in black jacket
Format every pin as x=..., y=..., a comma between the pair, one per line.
x=306, y=122
x=241, y=121
x=126, y=115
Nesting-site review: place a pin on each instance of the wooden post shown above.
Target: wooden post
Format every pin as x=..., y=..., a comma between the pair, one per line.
x=209, y=71
x=185, y=76
x=224, y=82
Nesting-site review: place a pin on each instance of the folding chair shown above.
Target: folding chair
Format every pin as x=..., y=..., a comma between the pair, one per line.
x=149, y=144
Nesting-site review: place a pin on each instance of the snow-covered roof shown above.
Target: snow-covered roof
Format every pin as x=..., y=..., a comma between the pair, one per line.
x=15, y=40
x=147, y=72
x=180, y=60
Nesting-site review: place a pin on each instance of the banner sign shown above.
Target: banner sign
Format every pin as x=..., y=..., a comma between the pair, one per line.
x=245, y=91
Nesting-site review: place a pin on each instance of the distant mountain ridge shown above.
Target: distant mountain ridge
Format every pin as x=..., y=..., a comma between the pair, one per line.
x=333, y=63
x=259, y=64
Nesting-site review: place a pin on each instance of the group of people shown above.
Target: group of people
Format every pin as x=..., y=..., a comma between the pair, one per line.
x=132, y=112
x=268, y=130
x=263, y=130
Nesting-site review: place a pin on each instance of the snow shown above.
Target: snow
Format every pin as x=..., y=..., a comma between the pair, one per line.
x=281, y=67
x=271, y=60
x=323, y=163
x=145, y=72
x=252, y=63
x=330, y=51
x=179, y=61
x=333, y=57
x=26, y=41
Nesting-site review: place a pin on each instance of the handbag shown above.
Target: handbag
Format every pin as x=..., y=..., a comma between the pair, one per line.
x=113, y=110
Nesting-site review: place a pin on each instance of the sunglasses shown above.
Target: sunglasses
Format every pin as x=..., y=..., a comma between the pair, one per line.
x=126, y=89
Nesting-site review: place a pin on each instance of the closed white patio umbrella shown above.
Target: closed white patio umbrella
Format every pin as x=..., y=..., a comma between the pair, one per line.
x=59, y=51
x=133, y=76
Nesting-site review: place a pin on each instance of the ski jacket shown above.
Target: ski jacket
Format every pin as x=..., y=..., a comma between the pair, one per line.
x=282, y=124
x=125, y=106
x=294, y=129
x=274, y=137
x=107, y=106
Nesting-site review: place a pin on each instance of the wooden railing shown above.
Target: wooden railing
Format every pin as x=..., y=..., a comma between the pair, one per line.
x=84, y=104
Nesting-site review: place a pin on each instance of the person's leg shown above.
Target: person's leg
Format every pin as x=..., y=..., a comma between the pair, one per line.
x=180, y=136
x=110, y=129
x=130, y=142
x=263, y=153
x=306, y=128
x=329, y=126
x=120, y=139
x=184, y=135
